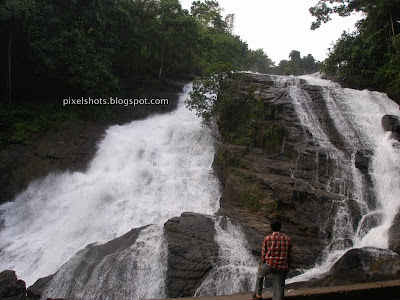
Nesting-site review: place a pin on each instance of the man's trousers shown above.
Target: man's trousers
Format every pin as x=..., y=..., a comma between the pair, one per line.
x=278, y=277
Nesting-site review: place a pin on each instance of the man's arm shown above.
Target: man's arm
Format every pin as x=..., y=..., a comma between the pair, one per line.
x=290, y=255
x=263, y=250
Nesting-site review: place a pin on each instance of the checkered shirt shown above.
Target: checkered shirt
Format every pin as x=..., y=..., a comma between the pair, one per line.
x=276, y=251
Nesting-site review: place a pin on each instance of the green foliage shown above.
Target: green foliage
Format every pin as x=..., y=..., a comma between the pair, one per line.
x=22, y=125
x=12, y=10
x=258, y=61
x=238, y=117
x=370, y=56
x=208, y=13
x=297, y=65
x=250, y=200
x=273, y=136
x=203, y=98
x=87, y=47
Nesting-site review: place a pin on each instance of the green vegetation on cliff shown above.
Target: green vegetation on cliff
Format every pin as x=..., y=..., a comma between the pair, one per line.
x=242, y=117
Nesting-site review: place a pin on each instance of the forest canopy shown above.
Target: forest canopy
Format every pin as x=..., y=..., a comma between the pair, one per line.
x=369, y=57
x=82, y=46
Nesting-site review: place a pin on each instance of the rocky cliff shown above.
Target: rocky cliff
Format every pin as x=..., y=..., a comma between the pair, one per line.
x=269, y=166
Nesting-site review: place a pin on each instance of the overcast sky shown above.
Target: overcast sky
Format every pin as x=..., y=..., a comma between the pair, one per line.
x=279, y=26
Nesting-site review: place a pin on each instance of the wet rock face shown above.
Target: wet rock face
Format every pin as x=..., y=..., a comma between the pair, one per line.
x=110, y=263
x=10, y=287
x=391, y=123
x=35, y=291
x=192, y=250
x=359, y=265
x=394, y=235
x=190, y=255
x=273, y=168
x=362, y=160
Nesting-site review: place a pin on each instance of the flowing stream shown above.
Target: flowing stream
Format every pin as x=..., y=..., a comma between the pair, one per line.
x=235, y=269
x=357, y=117
x=149, y=171
x=144, y=172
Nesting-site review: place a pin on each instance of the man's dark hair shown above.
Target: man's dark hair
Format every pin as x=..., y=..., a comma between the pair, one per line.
x=276, y=225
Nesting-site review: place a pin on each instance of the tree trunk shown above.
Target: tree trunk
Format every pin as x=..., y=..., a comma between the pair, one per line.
x=9, y=69
x=391, y=20
x=169, y=68
x=162, y=62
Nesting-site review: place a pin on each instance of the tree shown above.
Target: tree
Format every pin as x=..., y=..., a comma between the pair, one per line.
x=366, y=58
x=13, y=14
x=388, y=9
x=258, y=61
x=295, y=56
x=297, y=65
x=209, y=14
x=177, y=32
x=230, y=23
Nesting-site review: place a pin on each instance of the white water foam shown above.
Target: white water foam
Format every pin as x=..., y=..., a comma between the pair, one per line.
x=145, y=172
x=137, y=272
x=236, y=268
x=357, y=116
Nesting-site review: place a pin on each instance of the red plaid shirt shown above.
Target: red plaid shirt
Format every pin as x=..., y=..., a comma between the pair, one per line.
x=276, y=250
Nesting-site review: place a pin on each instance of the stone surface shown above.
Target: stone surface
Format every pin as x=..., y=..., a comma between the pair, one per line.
x=275, y=174
x=192, y=251
x=11, y=288
x=362, y=160
x=35, y=291
x=272, y=167
x=111, y=264
x=366, y=264
x=391, y=123
x=394, y=235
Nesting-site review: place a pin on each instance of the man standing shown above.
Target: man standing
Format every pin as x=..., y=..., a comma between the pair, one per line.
x=276, y=255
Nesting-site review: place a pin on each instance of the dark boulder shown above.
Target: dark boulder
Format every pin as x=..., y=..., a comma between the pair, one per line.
x=394, y=235
x=351, y=266
x=362, y=265
x=35, y=291
x=365, y=265
x=11, y=288
x=391, y=123
x=362, y=160
x=192, y=251
x=368, y=222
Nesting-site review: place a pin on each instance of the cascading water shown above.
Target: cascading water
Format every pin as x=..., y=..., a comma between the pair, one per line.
x=118, y=275
x=357, y=117
x=149, y=171
x=145, y=172
x=235, y=269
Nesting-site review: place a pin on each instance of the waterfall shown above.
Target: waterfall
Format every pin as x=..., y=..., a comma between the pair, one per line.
x=357, y=117
x=235, y=269
x=144, y=172
x=122, y=274
x=149, y=171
